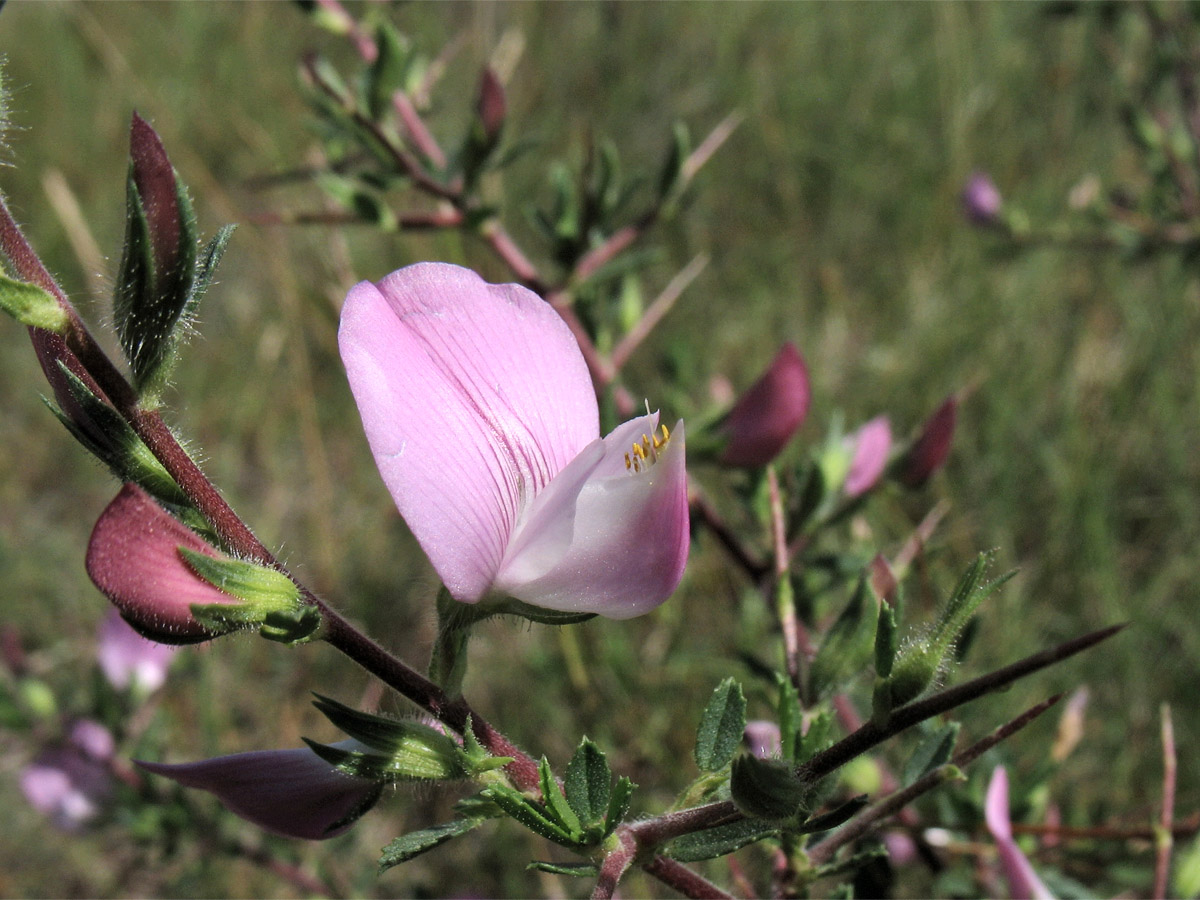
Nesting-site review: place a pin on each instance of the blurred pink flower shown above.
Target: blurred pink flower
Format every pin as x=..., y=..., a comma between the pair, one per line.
x=69, y=783
x=767, y=415
x=931, y=448
x=1023, y=883
x=133, y=558
x=872, y=443
x=482, y=419
x=293, y=793
x=762, y=738
x=981, y=200
x=129, y=660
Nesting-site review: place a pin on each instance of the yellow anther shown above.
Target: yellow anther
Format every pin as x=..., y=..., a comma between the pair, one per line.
x=666, y=434
x=628, y=463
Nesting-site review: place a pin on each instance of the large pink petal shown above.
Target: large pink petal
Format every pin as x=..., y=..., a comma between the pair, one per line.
x=473, y=397
x=605, y=539
x=294, y=793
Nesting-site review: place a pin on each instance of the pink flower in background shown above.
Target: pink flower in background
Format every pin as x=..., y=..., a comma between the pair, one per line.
x=293, y=793
x=767, y=415
x=133, y=558
x=129, y=660
x=872, y=443
x=762, y=738
x=69, y=783
x=931, y=448
x=1023, y=882
x=482, y=419
x=981, y=200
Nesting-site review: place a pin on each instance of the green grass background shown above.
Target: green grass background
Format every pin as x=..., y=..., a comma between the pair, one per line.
x=831, y=218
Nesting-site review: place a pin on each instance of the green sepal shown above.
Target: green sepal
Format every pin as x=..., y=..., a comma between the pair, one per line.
x=106, y=435
x=510, y=606
x=720, y=841
x=767, y=788
x=577, y=870
x=834, y=817
x=410, y=846
x=31, y=305
x=412, y=759
x=555, y=803
x=847, y=646
x=401, y=739
x=885, y=641
x=721, y=727
x=270, y=600
x=589, y=783
x=935, y=750
x=619, y=802
x=529, y=813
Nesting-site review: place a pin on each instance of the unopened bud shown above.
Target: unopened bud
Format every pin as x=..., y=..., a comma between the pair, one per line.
x=767, y=415
x=981, y=200
x=931, y=448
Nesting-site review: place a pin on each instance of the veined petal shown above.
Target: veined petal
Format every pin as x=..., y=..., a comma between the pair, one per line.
x=473, y=397
x=294, y=793
x=606, y=536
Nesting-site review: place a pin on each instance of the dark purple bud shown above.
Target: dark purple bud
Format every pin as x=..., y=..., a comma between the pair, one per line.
x=294, y=793
x=981, y=200
x=928, y=453
x=133, y=557
x=154, y=181
x=767, y=415
x=491, y=106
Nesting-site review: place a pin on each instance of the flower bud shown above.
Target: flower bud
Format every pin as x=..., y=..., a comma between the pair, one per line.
x=133, y=558
x=767, y=415
x=872, y=443
x=928, y=453
x=293, y=793
x=981, y=200
x=491, y=106
x=762, y=738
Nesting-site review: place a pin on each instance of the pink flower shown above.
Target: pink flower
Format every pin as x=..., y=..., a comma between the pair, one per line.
x=129, y=660
x=872, y=444
x=762, y=738
x=133, y=558
x=1023, y=883
x=69, y=783
x=929, y=452
x=981, y=200
x=483, y=422
x=293, y=793
x=767, y=415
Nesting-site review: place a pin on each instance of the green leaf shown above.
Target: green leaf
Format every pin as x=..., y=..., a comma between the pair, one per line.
x=885, y=641
x=555, y=803
x=817, y=738
x=835, y=817
x=589, y=783
x=670, y=177
x=618, y=804
x=530, y=814
x=577, y=870
x=721, y=727
x=409, y=846
x=790, y=719
x=388, y=72
x=932, y=752
x=32, y=306
x=720, y=841
x=847, y=646
x=767, y=788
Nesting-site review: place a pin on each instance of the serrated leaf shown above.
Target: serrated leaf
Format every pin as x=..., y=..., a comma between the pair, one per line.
x=618, y=804
x=720, y=841
x=555, y=803
x=409, y=846
x=935, y=750
x=588, y=783
x=721, y=727
x=530, y=814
